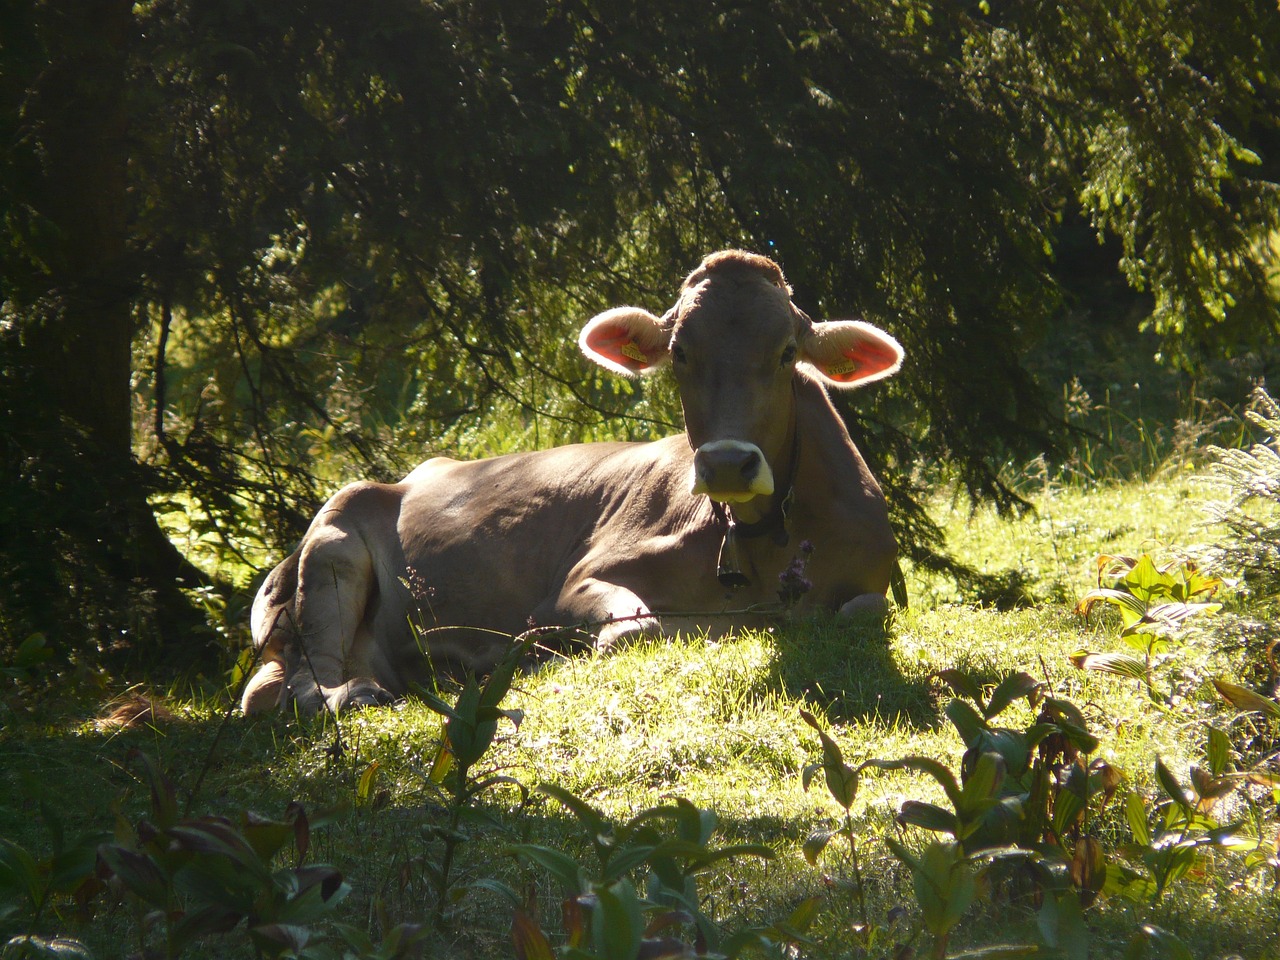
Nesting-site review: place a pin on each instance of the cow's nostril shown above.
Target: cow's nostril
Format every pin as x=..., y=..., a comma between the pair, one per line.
x=750, y=464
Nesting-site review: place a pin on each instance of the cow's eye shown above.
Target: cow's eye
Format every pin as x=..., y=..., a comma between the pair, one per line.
x=788, y=355
x=677, y=353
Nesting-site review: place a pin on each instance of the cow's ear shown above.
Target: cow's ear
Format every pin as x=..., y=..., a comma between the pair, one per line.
x=626, y=340
x=849, y=353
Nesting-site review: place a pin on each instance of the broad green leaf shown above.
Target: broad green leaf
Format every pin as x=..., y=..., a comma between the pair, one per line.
x=164, y=802
x=364, y=784
x=617, y=922
x=981, y=786
x=560, y=865
x=1068, y=807
x=18, y=871
x=1062, y=925
x=916, y=813
x=1135, y=812
x=966, y=719
x=961, y=684
x=842, y=780
x=1012, y=746
x=591, y=819
x=1016, y=686
x=1218, y=750
x=944, y=885
x=1147, y=583
x=139, y=873
x=265, y=837
x=815, y=843
x=927, y=765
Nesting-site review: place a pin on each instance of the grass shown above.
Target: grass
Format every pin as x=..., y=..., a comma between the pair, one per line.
x=717, y=723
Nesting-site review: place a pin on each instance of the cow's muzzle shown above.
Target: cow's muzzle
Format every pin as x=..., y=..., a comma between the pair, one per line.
x=731, y=471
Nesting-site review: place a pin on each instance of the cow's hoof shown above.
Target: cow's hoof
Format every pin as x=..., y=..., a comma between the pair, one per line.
x=358, y=693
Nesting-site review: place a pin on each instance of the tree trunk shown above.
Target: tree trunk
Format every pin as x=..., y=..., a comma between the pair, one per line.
x=90, y=562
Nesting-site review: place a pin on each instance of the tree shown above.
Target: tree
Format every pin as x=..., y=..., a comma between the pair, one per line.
x=352, y=234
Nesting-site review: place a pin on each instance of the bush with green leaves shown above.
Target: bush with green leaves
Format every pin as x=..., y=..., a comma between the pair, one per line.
x=1034, y=803
x=667, y=848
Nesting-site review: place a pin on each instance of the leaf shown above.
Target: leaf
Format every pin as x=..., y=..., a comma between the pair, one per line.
x=529, y=940
x=944, y=885
x=561, y=866
x=617, y=923
x=364, y=785
x=18, y=870
x=265, y=837
x=927, y=765
x=842, y=780
x=1135, y=812
x=1120, y=664
x=815, y=843
x=961, y=684
x=591, y=819
x=164, y=803
x=916, y=813
x=981, y=786
x=1089, y=869
x=1145, y=582
x=274, y=939
x=1242, y=698
x=1218, y=750
x=967, y=721
x=1016, y=686
x=138, y=873
x=31, y=652
x=1169, y=783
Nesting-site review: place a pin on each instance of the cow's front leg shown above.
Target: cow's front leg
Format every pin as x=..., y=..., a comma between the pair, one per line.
x=612, y=612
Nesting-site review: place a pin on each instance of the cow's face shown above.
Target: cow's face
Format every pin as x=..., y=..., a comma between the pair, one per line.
x=736, y=344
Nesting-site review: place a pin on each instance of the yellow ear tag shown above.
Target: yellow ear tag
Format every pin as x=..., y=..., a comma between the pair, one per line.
x=842, y=369
x=632, y=352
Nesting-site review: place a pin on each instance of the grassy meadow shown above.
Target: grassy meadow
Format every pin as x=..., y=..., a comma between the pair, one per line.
x=717, y=724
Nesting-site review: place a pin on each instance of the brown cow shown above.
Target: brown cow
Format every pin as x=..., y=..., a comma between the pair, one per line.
x=618, y=538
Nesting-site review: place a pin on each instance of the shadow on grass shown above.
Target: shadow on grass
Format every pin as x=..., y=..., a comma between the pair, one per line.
x=846, y=666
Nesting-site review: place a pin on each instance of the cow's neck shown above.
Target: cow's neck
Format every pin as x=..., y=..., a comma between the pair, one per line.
x=766, y=515
x=755, y=519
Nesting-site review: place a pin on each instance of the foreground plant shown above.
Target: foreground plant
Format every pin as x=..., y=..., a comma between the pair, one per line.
x=470, y=726
x=662, y=850
x=1153, y=602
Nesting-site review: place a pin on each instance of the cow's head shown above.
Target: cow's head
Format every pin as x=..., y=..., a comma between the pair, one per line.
x=736, y=342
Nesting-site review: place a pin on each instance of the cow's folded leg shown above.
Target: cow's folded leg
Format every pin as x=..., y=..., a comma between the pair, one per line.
x=866, y=603
x=619, y=614
x=309, y=698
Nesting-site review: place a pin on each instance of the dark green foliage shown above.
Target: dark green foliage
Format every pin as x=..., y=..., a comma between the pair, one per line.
x=357, y=233
x=1030, y=806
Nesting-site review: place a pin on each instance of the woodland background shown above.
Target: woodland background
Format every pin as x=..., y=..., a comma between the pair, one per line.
x=248, y=250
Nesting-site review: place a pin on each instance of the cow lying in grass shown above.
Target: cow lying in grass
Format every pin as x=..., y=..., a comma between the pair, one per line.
x=615, y=538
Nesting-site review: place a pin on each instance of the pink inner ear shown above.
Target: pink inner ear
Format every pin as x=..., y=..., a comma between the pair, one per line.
x=865, y=359
x=614, y=342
